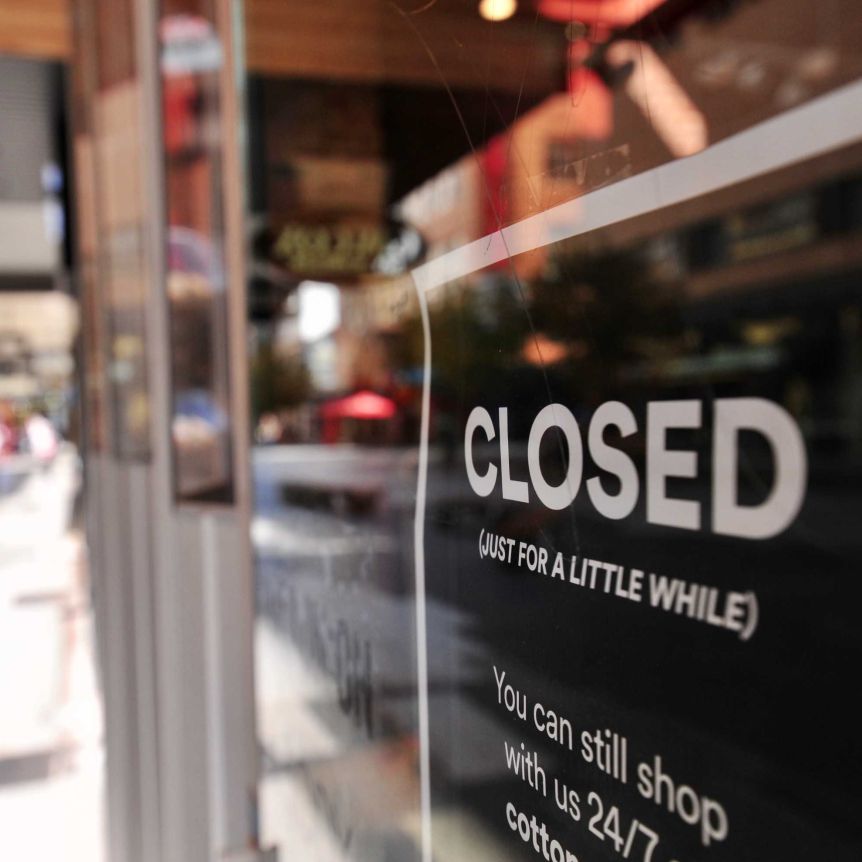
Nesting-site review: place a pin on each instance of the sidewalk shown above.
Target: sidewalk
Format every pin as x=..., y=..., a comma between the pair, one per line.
x=51, y=769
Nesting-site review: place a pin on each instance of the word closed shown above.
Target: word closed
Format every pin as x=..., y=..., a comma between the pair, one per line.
x=730, y=417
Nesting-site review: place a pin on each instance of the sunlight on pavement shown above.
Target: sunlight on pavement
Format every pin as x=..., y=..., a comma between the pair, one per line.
x=51, y=758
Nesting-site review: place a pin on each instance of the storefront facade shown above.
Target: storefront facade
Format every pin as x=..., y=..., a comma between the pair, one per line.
x=474, y=404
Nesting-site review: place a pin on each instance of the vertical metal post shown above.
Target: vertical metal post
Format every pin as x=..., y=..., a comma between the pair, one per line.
x=174, y=580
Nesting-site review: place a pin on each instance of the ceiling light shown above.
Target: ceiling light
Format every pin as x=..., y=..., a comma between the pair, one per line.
x=497, y=10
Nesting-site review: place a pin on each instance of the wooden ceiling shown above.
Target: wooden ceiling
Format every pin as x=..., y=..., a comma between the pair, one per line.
x=383, y=41
x=36, y=28
x=412, y=42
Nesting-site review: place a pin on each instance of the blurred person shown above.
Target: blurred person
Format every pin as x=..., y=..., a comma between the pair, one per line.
x=41, y=437
x=9, y=436
x=269, y=429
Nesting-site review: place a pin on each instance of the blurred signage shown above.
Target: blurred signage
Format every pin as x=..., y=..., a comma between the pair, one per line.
x=779, y=226
x=346, y=249
x=189, y=46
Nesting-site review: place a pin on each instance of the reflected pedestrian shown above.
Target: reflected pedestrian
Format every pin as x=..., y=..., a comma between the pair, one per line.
x=8, y=430
x=42, y=439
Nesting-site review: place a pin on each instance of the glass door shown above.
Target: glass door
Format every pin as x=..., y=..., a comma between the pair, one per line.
x=556, y=339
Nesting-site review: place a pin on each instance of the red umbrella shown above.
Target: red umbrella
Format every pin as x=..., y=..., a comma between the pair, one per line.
x=361, y=405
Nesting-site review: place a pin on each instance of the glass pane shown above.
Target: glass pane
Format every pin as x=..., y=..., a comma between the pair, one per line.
x=556, y=339
x=120, y=218
x=196, y=278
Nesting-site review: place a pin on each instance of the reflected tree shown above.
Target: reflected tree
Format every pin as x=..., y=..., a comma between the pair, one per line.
x=277, y=381
x=611, y=315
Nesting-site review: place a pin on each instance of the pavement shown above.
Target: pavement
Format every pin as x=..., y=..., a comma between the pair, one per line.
x=51, y=758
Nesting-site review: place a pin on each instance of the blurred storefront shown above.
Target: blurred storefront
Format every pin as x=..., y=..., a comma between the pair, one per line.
x=472, y=400
x=51, y=758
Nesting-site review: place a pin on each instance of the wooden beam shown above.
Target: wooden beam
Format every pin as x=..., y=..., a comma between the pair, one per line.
x=369, y=41
x=41, y=29
x=364, y=41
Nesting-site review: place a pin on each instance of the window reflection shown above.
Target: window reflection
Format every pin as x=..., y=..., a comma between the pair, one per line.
x=463, y=127
x=119, y=259
x=196, y=280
